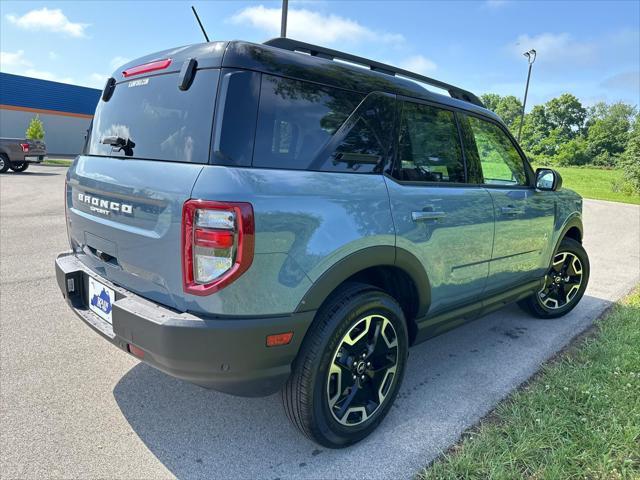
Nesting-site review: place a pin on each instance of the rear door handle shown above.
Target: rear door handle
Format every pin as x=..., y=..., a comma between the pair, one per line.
x=511, y=210
x=422, y=216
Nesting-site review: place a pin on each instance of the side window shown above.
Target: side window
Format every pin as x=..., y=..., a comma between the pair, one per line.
x=303, y=125
x=429, y=145
x=500, y=161
x=362, y=144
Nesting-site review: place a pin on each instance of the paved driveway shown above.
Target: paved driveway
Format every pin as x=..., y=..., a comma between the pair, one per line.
x=74, y=406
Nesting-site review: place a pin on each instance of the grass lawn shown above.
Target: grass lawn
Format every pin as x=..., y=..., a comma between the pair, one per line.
x=578, y=419
x=596, y=183
x=58, y=161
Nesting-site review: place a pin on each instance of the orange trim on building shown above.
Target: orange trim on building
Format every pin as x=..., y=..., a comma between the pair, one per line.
x=44, y=112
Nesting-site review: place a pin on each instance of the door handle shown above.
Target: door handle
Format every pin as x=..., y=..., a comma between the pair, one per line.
x=422, y=216
x=511, y=210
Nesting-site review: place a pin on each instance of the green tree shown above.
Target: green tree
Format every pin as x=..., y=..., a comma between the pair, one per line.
x=535, y=131
x=35, y=130
x=509, y=108
x=490, y=100
x=566, y=114
x=573, y=152
x=630, y=161
x=608, y=131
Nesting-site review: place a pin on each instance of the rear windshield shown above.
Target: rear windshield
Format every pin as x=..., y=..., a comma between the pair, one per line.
x=164, y=122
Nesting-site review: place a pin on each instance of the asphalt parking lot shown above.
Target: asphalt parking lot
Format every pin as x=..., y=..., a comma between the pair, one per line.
x=72, y=405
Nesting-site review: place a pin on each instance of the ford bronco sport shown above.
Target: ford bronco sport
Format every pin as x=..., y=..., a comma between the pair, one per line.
x=254, y=218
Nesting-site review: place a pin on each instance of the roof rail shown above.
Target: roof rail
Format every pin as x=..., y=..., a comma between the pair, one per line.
x=330, y=54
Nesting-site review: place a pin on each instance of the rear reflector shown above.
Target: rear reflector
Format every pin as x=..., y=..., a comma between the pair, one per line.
x=147, y=67
x=279, y=339
x=133, y=350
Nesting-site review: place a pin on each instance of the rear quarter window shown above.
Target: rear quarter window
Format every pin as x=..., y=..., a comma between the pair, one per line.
x=164, y=122
x=306, y=126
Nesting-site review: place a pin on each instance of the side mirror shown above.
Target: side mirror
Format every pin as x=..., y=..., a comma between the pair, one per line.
x=548, y=179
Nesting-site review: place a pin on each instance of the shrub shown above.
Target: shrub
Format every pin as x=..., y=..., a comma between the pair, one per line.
x=573, y=152
x=35, y=130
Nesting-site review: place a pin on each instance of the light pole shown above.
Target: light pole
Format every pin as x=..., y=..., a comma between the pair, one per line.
x=283, y=24
x=531, y=57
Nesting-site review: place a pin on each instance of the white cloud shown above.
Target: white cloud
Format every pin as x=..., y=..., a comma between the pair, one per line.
x=44, y=75
x=97, y=80
x=48, y=20
x=418, y=64
x=311, y=26
x=13, y=60
x=559, y=48
x=624, y=81
x=118, y=61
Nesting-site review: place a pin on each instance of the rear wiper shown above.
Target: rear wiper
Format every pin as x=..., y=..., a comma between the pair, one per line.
x=124, y=144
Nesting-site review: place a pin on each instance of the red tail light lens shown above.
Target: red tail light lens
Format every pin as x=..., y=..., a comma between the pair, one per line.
x=217, y=244
x=25, y=147
x=147, y=67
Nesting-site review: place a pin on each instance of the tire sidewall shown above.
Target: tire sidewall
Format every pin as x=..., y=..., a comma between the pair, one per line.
x=5, y=163
x=368, y=303
x=574, y=247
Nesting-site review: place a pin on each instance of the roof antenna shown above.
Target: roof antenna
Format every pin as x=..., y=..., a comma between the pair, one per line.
x=283, y=23
x=200, y=23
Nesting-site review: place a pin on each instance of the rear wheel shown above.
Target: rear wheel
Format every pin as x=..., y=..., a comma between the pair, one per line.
x=564, y=284
x=350, y=367
x=4, y=163
x=19, y=166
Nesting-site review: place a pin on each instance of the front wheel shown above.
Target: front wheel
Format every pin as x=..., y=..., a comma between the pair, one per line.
x=19, y=166
x=564, y=284
x=350, y=367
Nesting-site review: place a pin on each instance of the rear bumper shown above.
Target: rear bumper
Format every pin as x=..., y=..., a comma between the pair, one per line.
x=226, y=354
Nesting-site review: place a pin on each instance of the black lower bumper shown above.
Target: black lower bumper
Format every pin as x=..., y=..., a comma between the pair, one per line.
x=227, y=354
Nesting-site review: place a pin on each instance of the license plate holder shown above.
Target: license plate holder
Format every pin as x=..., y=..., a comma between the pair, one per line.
x=101, y=300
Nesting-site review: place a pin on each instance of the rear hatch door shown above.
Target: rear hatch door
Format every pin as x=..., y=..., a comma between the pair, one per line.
x=147, y=145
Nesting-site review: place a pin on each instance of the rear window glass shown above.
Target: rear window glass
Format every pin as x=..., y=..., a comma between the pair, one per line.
x=301, y=125
x=164, y=122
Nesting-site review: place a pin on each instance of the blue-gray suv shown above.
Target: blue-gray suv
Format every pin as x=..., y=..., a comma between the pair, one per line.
x=281, y=216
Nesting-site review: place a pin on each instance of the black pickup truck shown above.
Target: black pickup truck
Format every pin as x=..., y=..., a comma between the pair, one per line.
x=17, y=153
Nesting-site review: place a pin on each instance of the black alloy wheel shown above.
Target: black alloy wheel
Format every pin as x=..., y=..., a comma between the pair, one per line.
x=349, y=368
x=564, y=284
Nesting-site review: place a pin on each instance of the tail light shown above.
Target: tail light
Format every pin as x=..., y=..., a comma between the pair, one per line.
x=25, y=147
x=217, y=244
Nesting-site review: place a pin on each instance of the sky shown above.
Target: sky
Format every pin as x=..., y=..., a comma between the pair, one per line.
x=588, y=48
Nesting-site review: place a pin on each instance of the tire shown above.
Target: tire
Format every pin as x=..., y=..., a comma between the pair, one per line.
x=4, y=163
x=19, y=166
x=561, y=291
x=314, y=397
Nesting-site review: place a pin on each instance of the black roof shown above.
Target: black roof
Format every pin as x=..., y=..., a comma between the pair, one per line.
x=282, y=57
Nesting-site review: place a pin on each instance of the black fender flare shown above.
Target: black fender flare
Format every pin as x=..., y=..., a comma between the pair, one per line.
x=382, y=255
x=573, y=221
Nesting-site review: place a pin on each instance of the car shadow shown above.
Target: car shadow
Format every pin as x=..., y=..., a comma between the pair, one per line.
x=199, y=433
